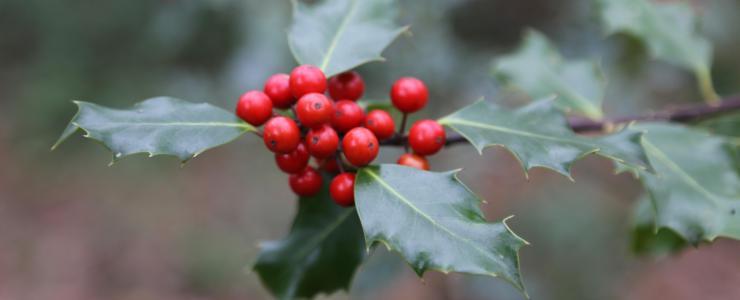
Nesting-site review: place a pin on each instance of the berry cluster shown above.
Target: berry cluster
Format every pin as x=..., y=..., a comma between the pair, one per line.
x=322, y=122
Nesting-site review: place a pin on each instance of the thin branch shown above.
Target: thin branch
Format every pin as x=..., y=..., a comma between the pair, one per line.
x=682, y=114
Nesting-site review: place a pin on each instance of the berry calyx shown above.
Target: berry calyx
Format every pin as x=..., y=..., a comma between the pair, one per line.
x=342, y=189
x=414, y=161
x=254, y=107
x=380, y=123
x=322, y=142
x=306, y=79
x=426, y=137
x=281, y=135
x=360, y=146
x=277, y=87
x=347, y=115
x=348, y=85
x=306, y=183
x=293, y=162
x=314, y=110
x=409, y=94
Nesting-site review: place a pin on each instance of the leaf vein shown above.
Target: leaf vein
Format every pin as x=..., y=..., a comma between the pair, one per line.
x=513, y=131
x=660, y=155
x=427, y=217
x=335, y=40
x=323, y=234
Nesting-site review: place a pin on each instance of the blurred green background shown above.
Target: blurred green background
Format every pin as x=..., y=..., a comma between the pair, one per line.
x=73, y=228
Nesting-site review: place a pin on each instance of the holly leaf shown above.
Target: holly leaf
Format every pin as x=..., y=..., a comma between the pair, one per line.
x=727, y=125
x=669, y=31
x=434, y=222
x=368, y=105
x=538, y=69
x=647, y=239
x=338, y=35
x=539, y=136
x=319, y=255
x=157, y=126
x=696, y=186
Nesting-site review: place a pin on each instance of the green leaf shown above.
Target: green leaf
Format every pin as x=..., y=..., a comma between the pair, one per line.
x=538, y=69
x=338, y=35
x=434, y=222
x=669, y=31
x=647, y=239
x=696, y=186
x=727, y=125
x=539, y=136
x=158, y=126
x=368, y=105
x=321, y=253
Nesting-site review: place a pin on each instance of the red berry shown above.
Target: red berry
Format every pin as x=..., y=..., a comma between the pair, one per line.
x=348, y=85
x=426, y=137
x=414, y=161
x=277, y=87
x=347, y=115
x=293, y=162
x=380, y=123
x=314, y=110
x=360, y=146
x=281, y=135
x=322, y=142
x=409, y=94
x=254, y=107
x=342, y=189
x=306, y=183
x=306, y=79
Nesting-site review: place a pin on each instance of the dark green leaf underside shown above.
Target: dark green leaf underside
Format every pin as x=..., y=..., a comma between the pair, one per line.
x=320, y=254
x=434, y=222
x=647, y=239
x=157, y=126
x=338, y=35
x=539, y=136
x=726, y=125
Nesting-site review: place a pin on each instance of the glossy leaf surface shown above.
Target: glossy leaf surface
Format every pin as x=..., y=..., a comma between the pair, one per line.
x=434, y=222
x=157, y=126
x=338, y=35
x=539, y=136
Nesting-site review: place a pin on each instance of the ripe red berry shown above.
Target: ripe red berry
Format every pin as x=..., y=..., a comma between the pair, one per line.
x=306, y=183
x=281, y=135
x=409, y=94
x=426, y=137
x=347, y=115
x=277, y=87
x=380, y=123
x=314, y=110
x=348, y=85
x=414, y=161
x=306, y=79
x=342, y=189
x=360, y=146
x=293, y=162
x=322, y=142
x=254, y=107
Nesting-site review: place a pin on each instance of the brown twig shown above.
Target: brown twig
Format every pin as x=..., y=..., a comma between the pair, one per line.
x=682, y=114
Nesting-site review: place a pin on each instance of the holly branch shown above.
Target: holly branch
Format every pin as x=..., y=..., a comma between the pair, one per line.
x=678, y=114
